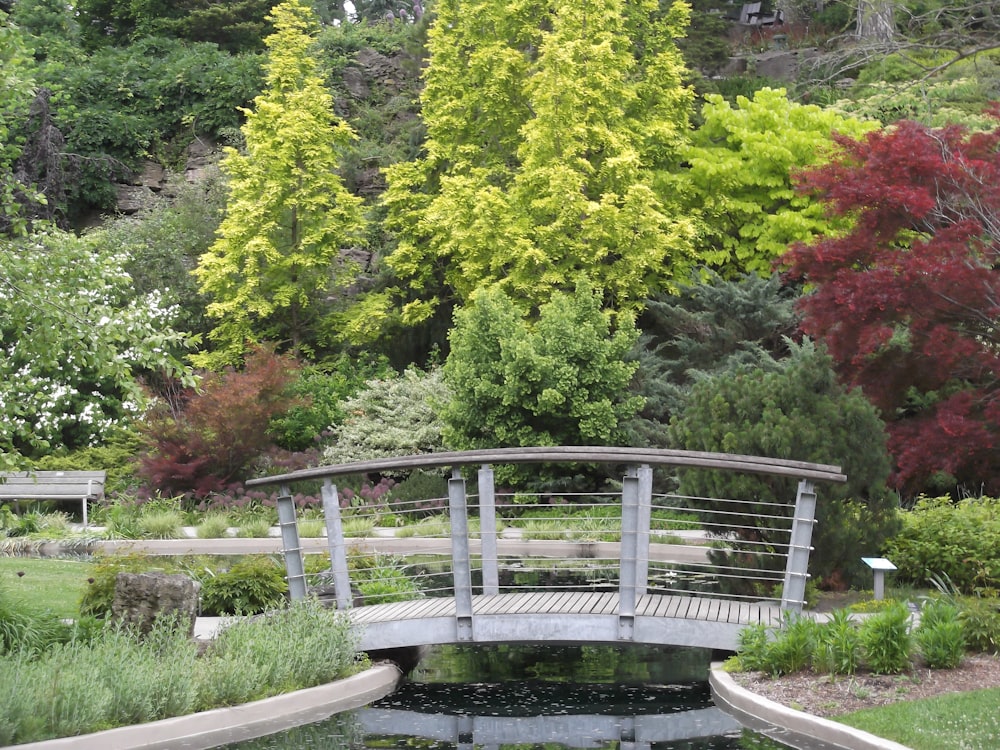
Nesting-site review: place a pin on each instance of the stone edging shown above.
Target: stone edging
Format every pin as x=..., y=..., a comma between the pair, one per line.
x=223, y=725
x=756, y=711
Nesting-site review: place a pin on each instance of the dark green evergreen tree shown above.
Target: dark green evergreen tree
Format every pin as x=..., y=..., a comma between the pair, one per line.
x=794, y=410
x=713, y=325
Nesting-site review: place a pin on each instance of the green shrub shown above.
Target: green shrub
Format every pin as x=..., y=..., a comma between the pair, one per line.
x=312, y=528
x=887, y=641
x=380, y=579
x=838, y=645
x=254, y=528
x=980, y=618
x=320, y=393
x=26, y=629
x=391, y=417
x=299, y=646
x=752, y=647
x=254, y=584
x=422, y=492
x=959, y=542
x=942, y=644
x=792, y=649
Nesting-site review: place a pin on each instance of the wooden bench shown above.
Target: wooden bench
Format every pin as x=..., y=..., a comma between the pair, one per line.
x=53, y=485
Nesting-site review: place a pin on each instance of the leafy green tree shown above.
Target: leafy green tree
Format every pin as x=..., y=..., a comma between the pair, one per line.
x=16, y=86
x=797, y=412
x=236, y=25
x=559, y=380
x=289, y=217
x=546, y=130
x=75, y=337
x=738, y=186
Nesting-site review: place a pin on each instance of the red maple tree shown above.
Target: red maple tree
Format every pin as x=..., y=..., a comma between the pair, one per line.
x=908, y=301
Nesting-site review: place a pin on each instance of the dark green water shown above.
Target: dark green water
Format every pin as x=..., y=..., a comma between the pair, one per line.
x=510, y=697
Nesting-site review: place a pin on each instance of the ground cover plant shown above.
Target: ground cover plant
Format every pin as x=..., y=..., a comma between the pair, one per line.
x=957, y=720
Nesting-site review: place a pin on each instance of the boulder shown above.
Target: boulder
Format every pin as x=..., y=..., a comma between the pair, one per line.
x=141, y=598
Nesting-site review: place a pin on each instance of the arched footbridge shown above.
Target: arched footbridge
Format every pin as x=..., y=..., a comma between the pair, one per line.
x=625, y=566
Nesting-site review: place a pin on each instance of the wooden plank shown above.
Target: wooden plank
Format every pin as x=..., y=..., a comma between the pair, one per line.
x=710, y=610
x=489, y=605
x=725, y=606
x=681, y=606
x=609, y=605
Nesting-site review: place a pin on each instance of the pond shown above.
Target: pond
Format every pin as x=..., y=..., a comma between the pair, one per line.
x=506, y=697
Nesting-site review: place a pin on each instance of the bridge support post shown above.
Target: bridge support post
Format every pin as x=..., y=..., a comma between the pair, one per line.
x=290, y=546
x=460, y=563
x=636, y=511
x=793, y=592
x=335, y=540
x=488, y=530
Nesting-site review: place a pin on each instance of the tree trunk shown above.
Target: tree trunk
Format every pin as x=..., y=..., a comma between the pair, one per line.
x=875, y=20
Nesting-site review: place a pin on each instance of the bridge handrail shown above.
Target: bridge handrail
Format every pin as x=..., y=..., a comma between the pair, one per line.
x=569, y=454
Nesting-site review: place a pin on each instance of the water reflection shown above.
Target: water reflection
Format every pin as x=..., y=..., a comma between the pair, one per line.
x=519, y=697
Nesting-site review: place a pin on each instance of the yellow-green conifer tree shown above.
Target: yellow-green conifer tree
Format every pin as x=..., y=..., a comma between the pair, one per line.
x=288, y=216
x=548, y=123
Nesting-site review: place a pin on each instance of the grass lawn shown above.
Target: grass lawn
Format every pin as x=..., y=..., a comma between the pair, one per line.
x=47, y=583
x=959, y=721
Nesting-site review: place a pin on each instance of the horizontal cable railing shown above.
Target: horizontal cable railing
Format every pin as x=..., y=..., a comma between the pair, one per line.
x=405, y=547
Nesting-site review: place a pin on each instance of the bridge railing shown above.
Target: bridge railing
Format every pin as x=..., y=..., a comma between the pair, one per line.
x=634, y=541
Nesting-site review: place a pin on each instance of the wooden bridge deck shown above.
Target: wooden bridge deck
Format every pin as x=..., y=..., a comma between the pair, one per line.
x=562, y=616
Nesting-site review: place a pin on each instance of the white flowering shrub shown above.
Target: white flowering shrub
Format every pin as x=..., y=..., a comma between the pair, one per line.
x=74, y=337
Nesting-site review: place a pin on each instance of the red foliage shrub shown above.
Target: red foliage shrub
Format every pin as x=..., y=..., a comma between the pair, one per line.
x=908, y=301
x=202, y=441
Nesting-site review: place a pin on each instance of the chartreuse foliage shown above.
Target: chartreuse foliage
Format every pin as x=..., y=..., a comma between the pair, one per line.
x=546, y=126
x=738, y=186
x=559, y=380
x=896, y=87
x=288, y=216
x=955, y=541
x=73, y=343
x=907, y=300
x=794, y=409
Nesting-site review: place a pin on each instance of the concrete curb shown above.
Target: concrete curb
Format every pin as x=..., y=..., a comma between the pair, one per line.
x=756, y=711
x=223, y=725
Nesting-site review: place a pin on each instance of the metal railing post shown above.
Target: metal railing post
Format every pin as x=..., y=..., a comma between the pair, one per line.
x=645, y=519
x=627, y=575
x=290, y=546
x=335, y=541
x=461, y=565
x=488, y=530
x=793, y=591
